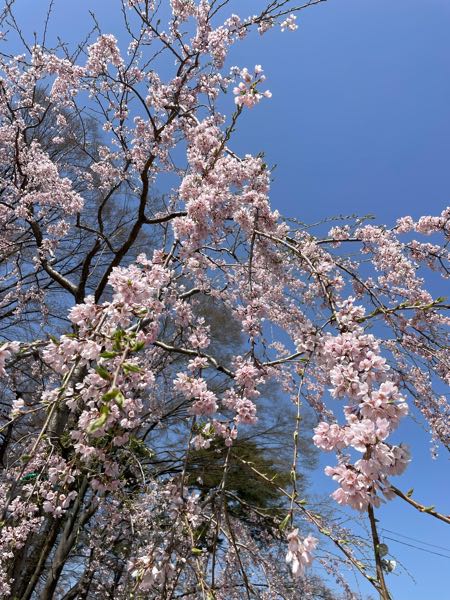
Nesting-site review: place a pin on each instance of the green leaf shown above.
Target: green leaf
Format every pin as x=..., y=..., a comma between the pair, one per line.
x=118, y=337
x=101, y=420
x=29, y=477
x=130, y=368
x=138, y=346
x=119, y=399
x=410, y=492
x=109, y=354
x=282, y=526
x=110, y=395
x=104, y=373
x=196, y=551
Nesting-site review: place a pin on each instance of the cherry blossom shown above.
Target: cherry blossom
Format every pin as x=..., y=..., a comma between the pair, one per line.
x=299, y=552
x=246, y=92
x=159, y=316
x=289, y=23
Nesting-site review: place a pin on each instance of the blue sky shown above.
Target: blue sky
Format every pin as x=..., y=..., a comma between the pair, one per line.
x=359, y=119
x=359, y=123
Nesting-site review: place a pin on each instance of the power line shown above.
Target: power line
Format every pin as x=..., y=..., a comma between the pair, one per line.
x=416, y=540
x=417, y=547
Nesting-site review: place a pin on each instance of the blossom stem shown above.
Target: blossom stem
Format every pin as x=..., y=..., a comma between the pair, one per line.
x=383, y=590
x=429, y=510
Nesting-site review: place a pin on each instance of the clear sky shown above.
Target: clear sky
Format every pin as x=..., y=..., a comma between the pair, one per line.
x=359, y=123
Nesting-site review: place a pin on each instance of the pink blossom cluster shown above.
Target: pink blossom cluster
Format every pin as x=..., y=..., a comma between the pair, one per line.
x=240, y=400
x=46, y=487
x=45, y=187
x=299, y=553
x=289, y=24
x=195, y=389
x=244, y=408
x=215, y=41
x=152, y=570
x=359, y=483
x=182, y=9
x=6, y=350
x=140, y=284
x=355, y=368
x=154, y=565
x=426, y=224
x=101, y=53
x=225, y=429
x=219, y=186
x=246, y=92
x=67, y=80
